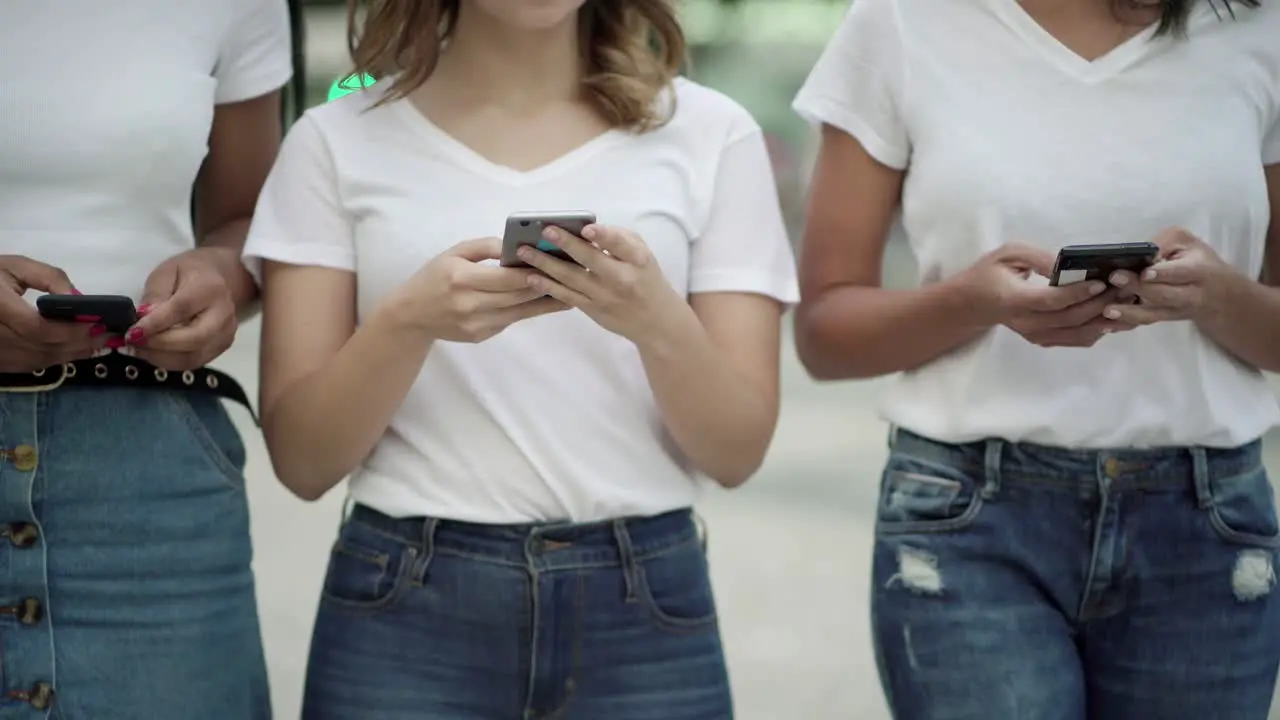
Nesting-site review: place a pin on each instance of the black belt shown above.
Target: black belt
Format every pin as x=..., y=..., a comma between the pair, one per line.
x=116, y=370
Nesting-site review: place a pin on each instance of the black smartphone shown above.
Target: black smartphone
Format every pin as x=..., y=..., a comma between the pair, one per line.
x=116, y=312
x=525, y=228
x=1078, y=263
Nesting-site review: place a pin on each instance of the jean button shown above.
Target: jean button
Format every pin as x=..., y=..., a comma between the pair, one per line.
x=23, y=458
x=41, y=697
x=23, y=535
x=1112, y=467
x=30, y=611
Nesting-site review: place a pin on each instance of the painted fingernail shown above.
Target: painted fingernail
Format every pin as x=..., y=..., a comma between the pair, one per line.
x=76, y=292
x=115, y=343
x=135, y=337
x=97, y=330
x=144, y=308
x=1112, y=313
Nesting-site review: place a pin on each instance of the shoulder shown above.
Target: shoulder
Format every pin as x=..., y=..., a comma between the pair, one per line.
x=350, y=115
x=706, y=113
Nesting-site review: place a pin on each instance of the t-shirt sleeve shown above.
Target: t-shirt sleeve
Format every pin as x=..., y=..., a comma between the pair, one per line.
x=299, y=219
x=744, y=246
x=255, y=56
x=1271, y=145
x=858, y=82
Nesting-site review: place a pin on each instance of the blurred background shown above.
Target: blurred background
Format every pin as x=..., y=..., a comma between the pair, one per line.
x=790, y=552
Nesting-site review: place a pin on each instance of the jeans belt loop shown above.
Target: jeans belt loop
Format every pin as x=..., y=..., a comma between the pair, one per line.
x=991, y=468
x=427, y=551
x=1200, y=476
x=626, y=553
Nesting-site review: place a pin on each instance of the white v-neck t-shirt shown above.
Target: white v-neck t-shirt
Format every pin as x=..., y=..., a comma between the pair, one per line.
x=105, y=112
x=552, y=419
x=1008, y=136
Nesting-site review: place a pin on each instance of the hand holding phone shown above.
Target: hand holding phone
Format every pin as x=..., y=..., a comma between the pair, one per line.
x=116, y=313
x=1078, y=263
x=525, y=228
x=29, y=343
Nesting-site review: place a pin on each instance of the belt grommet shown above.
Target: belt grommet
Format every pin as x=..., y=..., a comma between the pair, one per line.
x=211, y=381
x=100, y=371
x=161, y=374
x=38, y=373
x=131, y=372
x=188, y=377
x=70, y=369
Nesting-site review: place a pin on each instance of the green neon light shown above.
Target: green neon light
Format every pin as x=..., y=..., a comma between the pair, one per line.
x=349, y=84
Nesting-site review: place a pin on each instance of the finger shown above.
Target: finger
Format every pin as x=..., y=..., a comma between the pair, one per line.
x=1037, y=260
x=1080, y=314
x=1122, y=278
x=562, y=293
x=1138, y=314
x=1054, y=299
x=1169, y=297
x=1181, y=271
x=489, y=278
x=33, y=331
x=161, y=285
x=587, y=255
x=205, y=332
x=32, y=275
x=1172, y=241
x=477, y=250
x=541, y=306
x=623, y=245
x=499, y=300
x=193, y=296
x=566, y=273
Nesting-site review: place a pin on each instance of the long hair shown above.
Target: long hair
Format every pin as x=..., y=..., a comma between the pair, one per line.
x=1174, y=13
x=632, y=50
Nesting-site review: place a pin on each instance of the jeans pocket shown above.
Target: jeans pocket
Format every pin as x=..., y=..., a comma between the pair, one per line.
x=367, y=569
x=1243, y=511
x=212, y=431
x=917, y=496
x=675, y=589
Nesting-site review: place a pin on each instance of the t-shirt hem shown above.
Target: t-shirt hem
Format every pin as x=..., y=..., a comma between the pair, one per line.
x=784, y=291
x=825, y=111
x=249, y=88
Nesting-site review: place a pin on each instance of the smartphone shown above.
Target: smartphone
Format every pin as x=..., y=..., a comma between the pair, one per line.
x=1078, y=263
x=525, y=228
x=116, y=312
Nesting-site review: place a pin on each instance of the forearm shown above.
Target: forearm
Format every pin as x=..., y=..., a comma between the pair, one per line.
x=223, y=246
x=862, y=332
x=1248, y=324
x=714, y=414
x=322, y=426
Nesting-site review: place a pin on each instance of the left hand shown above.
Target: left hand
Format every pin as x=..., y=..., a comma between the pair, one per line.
x=619, y=284
x=188, y=314
x=1183, y=284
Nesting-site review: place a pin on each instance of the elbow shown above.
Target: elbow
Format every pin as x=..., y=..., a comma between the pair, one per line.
x=292, y=469
x=818, y=349
x=742, y=461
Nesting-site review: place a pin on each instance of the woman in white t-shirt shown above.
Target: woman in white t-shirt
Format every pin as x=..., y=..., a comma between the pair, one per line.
x=126, y=571
x=524, y=445
x=1074, y=521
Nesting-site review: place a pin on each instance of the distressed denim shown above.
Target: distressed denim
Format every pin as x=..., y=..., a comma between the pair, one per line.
x=126, y=529
x=1015, y=581
x=427, y=619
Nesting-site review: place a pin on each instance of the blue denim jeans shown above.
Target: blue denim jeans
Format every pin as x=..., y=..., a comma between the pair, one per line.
x=426, y=619
x=125, y=584
x=1015, y=581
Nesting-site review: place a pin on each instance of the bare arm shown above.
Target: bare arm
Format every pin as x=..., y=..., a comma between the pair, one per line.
x=243, y=143
x=847, y=326
x=1249, y=324
x=328, y=390
x=715, y=379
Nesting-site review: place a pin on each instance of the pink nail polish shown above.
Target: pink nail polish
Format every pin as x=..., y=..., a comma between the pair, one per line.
x=97, y=330
x=144, y=308
x=76, y=292
x=135, y=337
x=115, y=343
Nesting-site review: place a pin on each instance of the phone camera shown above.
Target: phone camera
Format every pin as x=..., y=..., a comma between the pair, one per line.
x=524, y=223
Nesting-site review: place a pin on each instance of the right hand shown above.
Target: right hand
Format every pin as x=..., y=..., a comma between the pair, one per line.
x=1065, y=316
x=28, y=342
x=455, y=298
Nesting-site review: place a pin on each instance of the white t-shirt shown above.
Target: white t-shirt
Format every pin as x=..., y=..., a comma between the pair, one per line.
x=553, y=418
x=1008, y=136
x=105, y=111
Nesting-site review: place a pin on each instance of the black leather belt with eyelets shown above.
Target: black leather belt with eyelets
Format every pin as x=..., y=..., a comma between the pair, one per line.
x=116, y=370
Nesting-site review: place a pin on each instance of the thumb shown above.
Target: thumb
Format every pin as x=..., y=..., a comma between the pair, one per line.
x=1035, y=259
x=32, y=275
x=488, y=248
x=161, y=285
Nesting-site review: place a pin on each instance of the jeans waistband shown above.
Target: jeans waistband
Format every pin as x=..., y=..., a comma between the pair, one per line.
x=1167, y=468
x=554, y=545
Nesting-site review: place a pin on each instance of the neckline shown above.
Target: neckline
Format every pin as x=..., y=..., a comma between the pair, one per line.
x=469, y=159
x=1053, y=50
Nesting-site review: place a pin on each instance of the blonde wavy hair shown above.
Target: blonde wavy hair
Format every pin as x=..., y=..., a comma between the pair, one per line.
x=632, y=50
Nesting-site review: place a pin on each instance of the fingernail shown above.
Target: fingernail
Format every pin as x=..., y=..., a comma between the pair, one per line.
x=96, y=330
x=549, y=233
x=1112, y=313
x=1097, y=288
x=1119, y=279
x=135, y=337
x=76, y=292
x=1148, y=274
x=589, y=232
x=144, y=308
x=115, y=343
x=524, y=253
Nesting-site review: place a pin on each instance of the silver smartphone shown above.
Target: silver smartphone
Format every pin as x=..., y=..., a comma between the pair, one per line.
x=525, y=228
